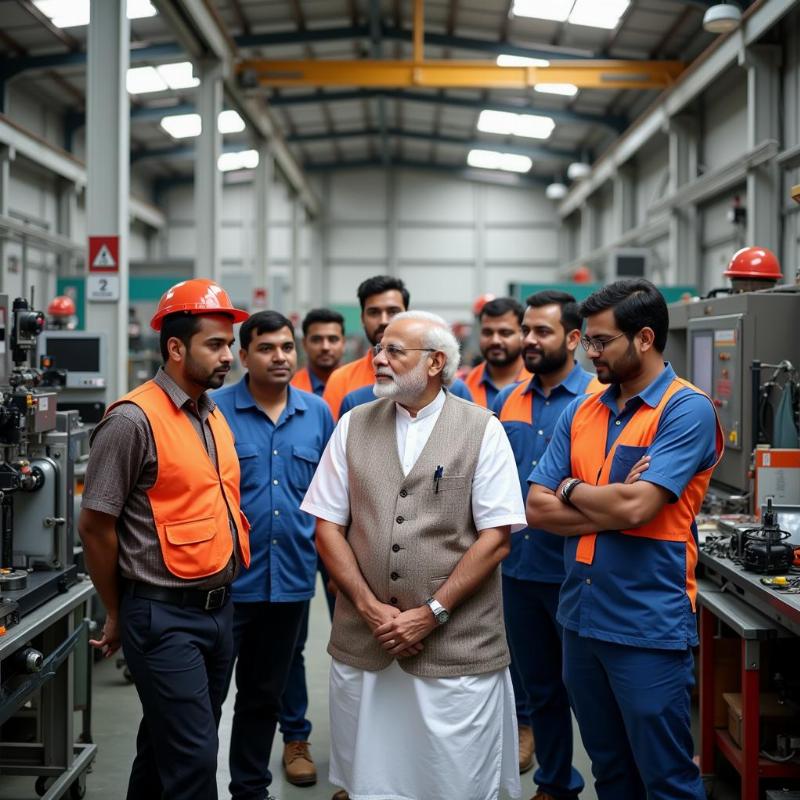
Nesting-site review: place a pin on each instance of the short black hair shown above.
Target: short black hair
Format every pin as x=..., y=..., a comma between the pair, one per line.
x=636, y=303
x=379, y=284
x=179, y=326
x=262, y=322
x=500, y=306
x=322, y=315
x=570, y=314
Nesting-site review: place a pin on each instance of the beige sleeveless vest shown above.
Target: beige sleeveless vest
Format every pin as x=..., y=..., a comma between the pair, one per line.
x=408, y=538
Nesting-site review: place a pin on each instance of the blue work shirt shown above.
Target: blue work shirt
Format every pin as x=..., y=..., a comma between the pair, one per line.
x=634, y=591
x=365, y=395
x=277, y=462
x=317, y=386
x=537, y=555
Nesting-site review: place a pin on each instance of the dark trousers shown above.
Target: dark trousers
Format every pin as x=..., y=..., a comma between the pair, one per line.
x=179, y=659
x=632, y=706
x=534, y=637
x=264, y=639
x=294, y=725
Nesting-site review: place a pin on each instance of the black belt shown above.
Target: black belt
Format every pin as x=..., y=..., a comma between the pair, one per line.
x=205, y=599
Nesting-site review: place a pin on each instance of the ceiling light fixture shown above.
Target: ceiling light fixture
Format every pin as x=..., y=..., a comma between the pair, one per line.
x=230, y=122
x=244, y=159
x=491, y=159
x=566, y=89
x=507, y=60
x=578, y=170
x=722, y=18
x=186, y=126
x=555, y=191
x=590, y=13
x=75, y=13
x=143, y=80
x=505, y=123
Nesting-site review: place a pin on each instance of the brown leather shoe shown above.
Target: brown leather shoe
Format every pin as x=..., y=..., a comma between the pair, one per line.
x=525, y=748
x=298, y=764
x=341, y=795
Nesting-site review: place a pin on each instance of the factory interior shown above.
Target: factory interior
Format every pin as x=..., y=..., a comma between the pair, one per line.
x=469, y=151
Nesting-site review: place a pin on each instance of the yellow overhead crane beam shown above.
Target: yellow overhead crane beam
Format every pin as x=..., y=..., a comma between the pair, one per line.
x=449, y=74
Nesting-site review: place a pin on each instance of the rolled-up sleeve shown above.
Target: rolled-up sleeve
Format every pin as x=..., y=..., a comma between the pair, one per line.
x=496, y=499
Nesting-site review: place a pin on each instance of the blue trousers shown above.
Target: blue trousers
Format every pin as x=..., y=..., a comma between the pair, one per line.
x=264, y=639
x=179, y=659
x=534, y=638
x=294, y=725
x=632, y=706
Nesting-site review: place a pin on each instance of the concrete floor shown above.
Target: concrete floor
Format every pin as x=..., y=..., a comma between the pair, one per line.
x=117, y=714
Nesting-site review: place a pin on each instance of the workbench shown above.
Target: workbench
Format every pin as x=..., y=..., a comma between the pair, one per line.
x=59, y=630
x=756, y=614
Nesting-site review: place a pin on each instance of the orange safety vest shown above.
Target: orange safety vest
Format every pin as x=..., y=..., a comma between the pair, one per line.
x=589, y=463
x=347, y=379
x=192, y=500
x=302, y=381
x=474, y=381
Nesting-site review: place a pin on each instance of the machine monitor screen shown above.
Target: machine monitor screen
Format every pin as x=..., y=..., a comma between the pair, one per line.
x=703, y=360
x=74, y=355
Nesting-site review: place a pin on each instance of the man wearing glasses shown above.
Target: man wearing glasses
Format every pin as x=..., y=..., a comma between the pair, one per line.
x=416, y=497
x=628, y=601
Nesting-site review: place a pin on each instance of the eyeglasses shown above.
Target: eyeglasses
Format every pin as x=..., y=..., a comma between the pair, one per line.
x=598, y=345
x=394, y=352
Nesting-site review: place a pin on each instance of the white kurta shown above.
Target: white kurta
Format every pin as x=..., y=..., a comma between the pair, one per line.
x=396, y=736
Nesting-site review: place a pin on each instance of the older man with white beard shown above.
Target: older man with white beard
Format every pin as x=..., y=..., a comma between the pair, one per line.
x=416, y=497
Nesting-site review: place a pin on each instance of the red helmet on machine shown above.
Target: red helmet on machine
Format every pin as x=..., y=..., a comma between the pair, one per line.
x=61, y=306
x=582, y=274
x=196, y=296
x=754, y=263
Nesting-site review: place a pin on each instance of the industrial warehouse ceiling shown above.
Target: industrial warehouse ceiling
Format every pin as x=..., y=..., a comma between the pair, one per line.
x=332, y=126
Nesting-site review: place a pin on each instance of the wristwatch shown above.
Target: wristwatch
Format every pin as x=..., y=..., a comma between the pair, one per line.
x=568, y=488
x=440, y=613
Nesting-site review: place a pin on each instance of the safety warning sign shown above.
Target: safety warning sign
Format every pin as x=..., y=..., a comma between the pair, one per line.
x=103, y=254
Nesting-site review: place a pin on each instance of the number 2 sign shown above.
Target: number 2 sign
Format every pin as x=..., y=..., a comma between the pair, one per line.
x=102, y=288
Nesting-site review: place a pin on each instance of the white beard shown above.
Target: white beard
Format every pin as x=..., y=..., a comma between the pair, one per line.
x=403, y=388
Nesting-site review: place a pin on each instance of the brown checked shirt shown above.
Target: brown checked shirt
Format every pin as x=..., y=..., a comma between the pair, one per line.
x=123, y=465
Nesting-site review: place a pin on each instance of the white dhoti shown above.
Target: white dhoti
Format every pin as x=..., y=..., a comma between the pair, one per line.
x=395, y=736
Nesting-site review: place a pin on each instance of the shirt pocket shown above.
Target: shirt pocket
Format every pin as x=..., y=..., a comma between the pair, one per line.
x=302, y=466
x=624, y=458
x=248, y=465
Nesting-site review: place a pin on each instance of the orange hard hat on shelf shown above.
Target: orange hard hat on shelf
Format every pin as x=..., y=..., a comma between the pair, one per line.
x=196, y=296
x=480, y=302
x=61, y=306
x=754, y=262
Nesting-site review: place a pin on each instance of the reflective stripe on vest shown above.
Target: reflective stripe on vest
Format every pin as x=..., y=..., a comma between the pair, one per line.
x=589, y=463
x=192, y=500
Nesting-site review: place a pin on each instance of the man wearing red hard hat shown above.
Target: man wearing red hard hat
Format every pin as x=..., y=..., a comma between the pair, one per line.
x=163, y=538
x=753, y=268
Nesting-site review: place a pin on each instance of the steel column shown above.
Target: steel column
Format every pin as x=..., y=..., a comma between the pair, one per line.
x=6, y=157
x=684, y=241
x=207, y=177
x=107, y=146
x=263, y=189
x=294, y=289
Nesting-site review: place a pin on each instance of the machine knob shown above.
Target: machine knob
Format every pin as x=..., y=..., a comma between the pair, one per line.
x=28, y=660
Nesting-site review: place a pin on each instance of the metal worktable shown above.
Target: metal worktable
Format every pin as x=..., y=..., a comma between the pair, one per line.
x=756, y=614
x=59, y=629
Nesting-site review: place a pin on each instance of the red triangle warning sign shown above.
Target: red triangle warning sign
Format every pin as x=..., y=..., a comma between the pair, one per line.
x=104, y=259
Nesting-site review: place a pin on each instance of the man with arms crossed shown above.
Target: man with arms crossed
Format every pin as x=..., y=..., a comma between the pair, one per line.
x=416, y=497
x=628, y=600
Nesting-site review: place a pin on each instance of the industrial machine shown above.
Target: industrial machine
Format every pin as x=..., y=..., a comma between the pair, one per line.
x=37, y=453
x=714, y=343
x=76, y=362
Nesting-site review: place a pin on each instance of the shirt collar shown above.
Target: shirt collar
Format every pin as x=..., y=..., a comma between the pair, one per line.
x=572, y=383
x=435, y=405
x=316, y=383
x=651, y=394
x=204, y=403
x=244, y=399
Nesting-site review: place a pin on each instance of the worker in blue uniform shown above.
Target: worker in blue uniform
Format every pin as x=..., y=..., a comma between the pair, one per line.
x=628, y=601
x=534, y=570
x=365, y=395
x=280, y=434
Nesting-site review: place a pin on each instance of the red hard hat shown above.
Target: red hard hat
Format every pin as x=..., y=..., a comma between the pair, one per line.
x=754, y=262
x=480, y=302
x=61, y=306
x=582, y=275
x=197, y=296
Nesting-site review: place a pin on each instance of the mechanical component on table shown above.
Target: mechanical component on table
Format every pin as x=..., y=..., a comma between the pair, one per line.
x=765, y=549
x=26, y=661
